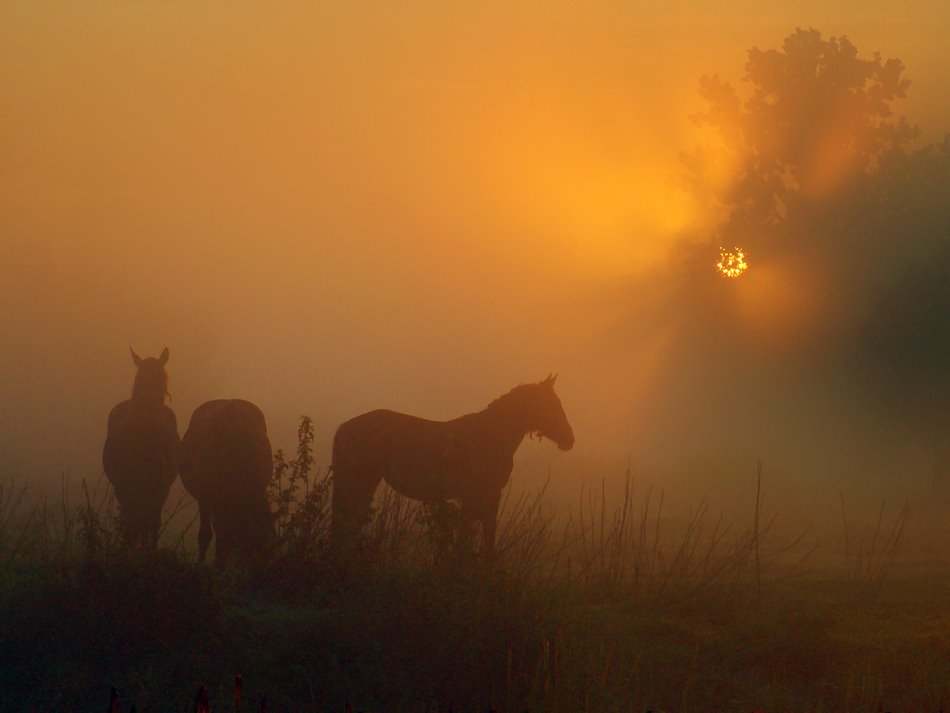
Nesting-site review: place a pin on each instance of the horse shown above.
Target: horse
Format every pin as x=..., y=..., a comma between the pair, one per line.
x=139, y=455
x=469, y=458
x=226, y=464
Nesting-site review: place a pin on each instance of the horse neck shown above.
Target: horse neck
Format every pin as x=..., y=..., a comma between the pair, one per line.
x=507, y=421
x=147, y=396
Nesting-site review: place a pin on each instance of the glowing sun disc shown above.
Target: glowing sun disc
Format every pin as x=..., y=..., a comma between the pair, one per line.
x=732, y=263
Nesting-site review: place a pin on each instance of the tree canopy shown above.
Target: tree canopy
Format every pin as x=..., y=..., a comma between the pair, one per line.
x=828, y=189
x=817, y=115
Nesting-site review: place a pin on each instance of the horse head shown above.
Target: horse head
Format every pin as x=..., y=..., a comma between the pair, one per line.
x=550, y=419
x=151, y=380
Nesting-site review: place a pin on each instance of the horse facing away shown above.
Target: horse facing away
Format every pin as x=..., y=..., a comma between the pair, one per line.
x=226, y=464
x=139, y=453
x=469, y=458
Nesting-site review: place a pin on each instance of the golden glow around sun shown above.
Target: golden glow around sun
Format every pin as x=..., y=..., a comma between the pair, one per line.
x=732, y=263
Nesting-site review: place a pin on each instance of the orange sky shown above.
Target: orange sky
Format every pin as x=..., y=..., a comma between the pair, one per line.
x=327, y=209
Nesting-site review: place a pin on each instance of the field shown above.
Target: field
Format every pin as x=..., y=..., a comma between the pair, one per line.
x=611, y=607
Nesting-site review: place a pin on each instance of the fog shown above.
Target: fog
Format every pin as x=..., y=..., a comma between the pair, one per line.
x=329, y=211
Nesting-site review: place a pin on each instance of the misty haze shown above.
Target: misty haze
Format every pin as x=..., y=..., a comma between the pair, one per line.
x=502, y=358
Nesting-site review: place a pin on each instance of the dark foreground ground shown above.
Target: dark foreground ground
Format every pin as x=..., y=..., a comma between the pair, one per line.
x=443, y=639
x=609, y=609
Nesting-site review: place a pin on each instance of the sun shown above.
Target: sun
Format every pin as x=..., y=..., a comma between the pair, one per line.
x=732, y=263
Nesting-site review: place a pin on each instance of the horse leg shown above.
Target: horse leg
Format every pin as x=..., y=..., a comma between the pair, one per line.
x=154, y=527
x=468, y=515
x=138, y=531
x=205, y=529
x=127, y=525
x=489, y=515
x=485, y=510
x=226, y=542
x=352, y=494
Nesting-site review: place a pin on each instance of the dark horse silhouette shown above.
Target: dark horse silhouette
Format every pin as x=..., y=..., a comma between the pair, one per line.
x=469, y=458
x=139, y=453
x=226, y=465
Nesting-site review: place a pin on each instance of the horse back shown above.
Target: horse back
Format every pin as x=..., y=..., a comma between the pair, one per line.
x=420, y=458
x=381, y=432
x=161, y=419
x=140, y=444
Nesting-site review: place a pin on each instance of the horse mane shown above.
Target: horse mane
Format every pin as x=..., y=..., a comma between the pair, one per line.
x=515, y=396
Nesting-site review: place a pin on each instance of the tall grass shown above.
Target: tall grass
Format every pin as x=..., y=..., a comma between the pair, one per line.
x=868, y=564
x=601, y=548
x=610, y=604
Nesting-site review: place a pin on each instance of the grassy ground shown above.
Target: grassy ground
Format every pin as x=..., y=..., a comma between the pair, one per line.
x=158, y=629
x=608, y=610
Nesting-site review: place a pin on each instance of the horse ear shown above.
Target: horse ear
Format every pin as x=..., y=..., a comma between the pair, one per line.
x=550, y=380
x=136, y=359
x=163, y=358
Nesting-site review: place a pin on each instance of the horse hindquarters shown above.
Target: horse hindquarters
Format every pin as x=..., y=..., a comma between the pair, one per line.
x=226, y=465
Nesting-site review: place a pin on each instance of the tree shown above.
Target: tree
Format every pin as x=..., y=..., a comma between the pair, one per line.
x=904, y=341
x=824, y=176
x=817, y=116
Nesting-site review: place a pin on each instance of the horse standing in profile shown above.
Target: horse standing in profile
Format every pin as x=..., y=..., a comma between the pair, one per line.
x=469, y=458
x=226, y=464
x=139, y=453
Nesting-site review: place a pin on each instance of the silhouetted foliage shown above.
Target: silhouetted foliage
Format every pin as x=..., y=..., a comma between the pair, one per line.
x=817, y=115
x=898, y=228
x=828, y=193
x=445, y=532
x=301, y=499
x=905, y=337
